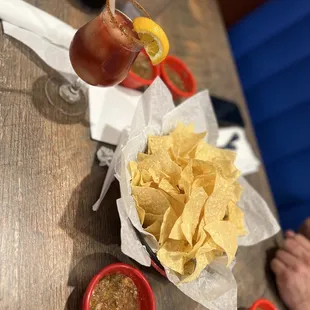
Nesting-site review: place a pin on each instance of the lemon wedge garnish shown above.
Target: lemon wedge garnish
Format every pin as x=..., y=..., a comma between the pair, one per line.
x=153, y=38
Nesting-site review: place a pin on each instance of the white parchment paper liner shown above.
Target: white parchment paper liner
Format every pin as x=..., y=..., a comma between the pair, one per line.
x=156, y=114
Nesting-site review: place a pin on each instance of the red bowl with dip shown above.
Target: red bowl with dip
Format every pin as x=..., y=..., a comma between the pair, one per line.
x=145, y=294
x=178, y=77
x=148, y=72
x=263, y=304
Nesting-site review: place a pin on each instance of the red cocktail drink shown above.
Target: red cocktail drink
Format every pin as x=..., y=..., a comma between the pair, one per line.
x=102, y=53
x=103, y=50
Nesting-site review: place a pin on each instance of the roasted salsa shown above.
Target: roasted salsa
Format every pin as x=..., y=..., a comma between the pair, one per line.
x=175, y=78
x=142, y=67
x=115, y=292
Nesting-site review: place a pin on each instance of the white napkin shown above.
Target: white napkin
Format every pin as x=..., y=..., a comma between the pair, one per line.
x=54, y=56
x=111, y=109
x=45, y=34
x=235, y=139
x=28, y=17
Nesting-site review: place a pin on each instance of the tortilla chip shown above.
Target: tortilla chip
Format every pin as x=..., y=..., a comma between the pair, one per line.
x=217, y=202
x=175, y=203
x=160, y=163
x=227, y=169
x=159, y=143
x=208, y=152
x=202, y=167
x=146, y=178
x=172, y=255
x=197, y=246
x=224, y=235
x=184, y=140
x=135, y=173
x=176, y=231
x=150, y=199
x=204, y=257
x=238, y=190
x=186, y=179
x=155, y=174
x=141, y=157
x=154, y=229
x=206, y=181
x=168, y=222
x=236, y=216
x=189, y=267
x=181, y=161
x=150, y=218
x=167, y=187
x=191, y=213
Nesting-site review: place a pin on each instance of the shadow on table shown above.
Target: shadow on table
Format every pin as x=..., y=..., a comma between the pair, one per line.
x=39, y=98
x=88, y=6
x=95, y=235
x=102, y=225
x=46, y=109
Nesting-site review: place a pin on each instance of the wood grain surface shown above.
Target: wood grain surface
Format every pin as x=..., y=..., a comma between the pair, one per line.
x=51, y=243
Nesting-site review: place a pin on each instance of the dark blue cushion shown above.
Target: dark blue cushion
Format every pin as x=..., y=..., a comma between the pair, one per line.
x=272, y=52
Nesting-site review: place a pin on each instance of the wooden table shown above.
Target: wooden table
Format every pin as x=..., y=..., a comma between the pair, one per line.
x=51, y=243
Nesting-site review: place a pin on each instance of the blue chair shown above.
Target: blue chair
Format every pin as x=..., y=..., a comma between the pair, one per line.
x=271, y=47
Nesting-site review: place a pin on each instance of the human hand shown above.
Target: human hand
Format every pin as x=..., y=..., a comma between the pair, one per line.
x=292, y=269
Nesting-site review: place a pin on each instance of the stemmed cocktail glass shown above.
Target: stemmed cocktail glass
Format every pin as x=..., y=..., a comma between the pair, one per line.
x=101, y=53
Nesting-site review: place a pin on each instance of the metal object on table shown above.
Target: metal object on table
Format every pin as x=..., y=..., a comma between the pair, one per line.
x=155, y=261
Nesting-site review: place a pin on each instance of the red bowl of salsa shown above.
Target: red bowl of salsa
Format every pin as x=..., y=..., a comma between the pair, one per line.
x=142, y=72
x=263, y=304
x=119, y=285
x=178, y=77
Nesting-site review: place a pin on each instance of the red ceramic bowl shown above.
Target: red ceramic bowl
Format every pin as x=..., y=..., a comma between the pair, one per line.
x=135, y=81
x=179, y=67
x=146, y=296
x=263, y=304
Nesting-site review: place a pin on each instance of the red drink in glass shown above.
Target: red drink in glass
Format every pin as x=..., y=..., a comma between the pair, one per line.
x=103, y=50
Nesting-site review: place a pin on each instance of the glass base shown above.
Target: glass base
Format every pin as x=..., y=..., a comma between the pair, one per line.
x=65, y=98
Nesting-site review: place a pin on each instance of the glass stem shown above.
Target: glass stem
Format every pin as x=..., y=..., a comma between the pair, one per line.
x=76, y=86
x=71, y=93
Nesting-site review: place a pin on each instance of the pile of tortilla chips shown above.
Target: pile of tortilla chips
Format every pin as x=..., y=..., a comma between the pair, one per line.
x=186, y=195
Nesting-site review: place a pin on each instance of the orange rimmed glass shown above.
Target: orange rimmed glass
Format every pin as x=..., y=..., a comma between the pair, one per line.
x=101, y=53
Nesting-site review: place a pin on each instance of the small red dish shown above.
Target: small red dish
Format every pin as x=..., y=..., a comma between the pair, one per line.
x=263, y=304
x=146, y=296
x=179, y=67
x=134, y=81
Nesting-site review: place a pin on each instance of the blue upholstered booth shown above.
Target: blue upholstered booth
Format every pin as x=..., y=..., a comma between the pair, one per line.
x=271, y=47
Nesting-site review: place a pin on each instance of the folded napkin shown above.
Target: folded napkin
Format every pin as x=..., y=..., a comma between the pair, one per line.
x=53, y=55
x=28, y=17
x=234, y=138
x=111, y=109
